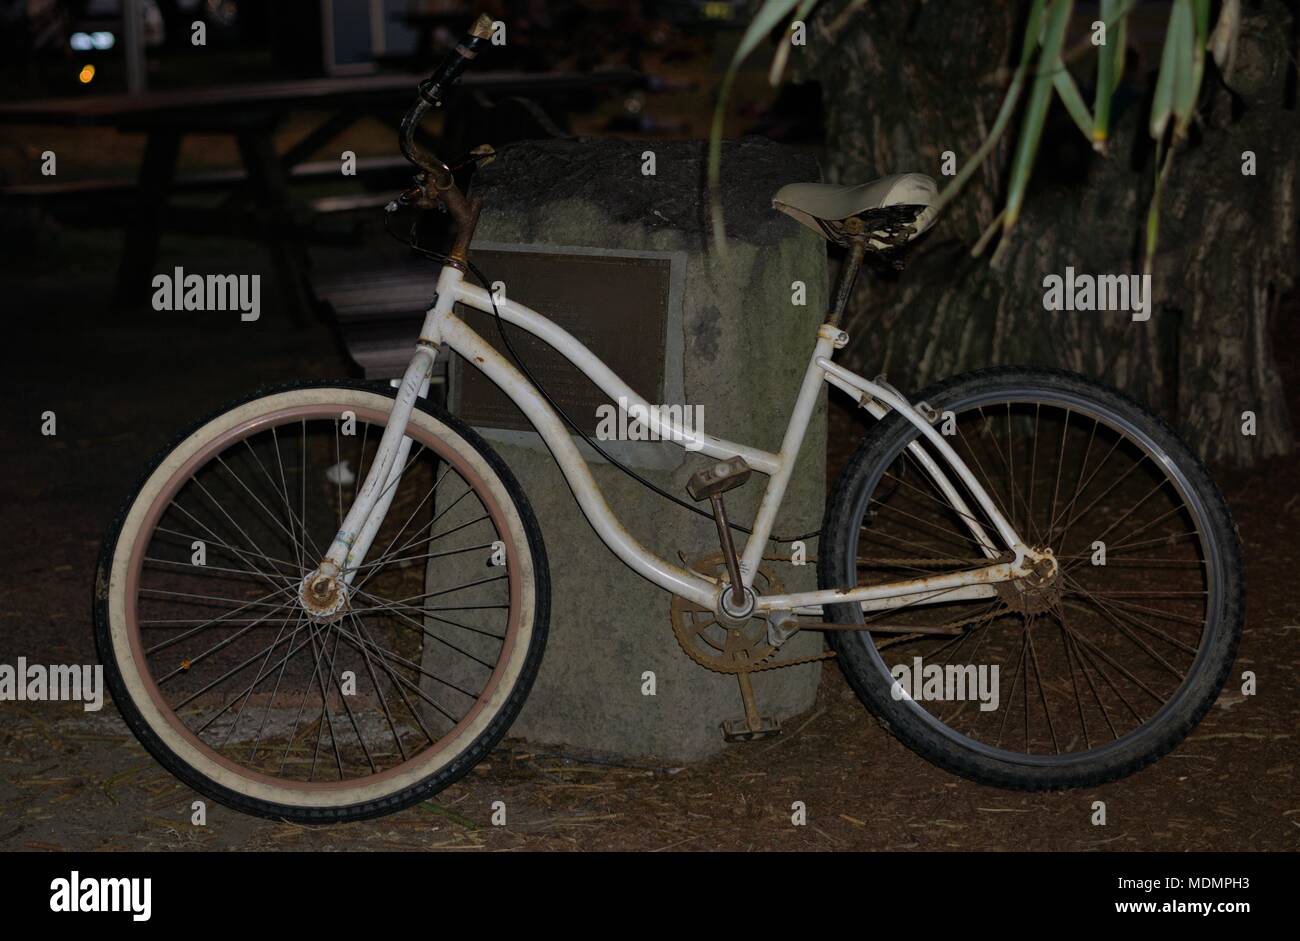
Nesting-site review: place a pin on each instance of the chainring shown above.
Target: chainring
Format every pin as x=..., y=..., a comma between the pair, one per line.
x=724, y=648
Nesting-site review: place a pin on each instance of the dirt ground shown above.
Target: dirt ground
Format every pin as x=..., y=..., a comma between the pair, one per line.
x=76, y=780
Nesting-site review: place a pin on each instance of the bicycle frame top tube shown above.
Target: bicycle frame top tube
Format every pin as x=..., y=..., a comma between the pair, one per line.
x=441, y=325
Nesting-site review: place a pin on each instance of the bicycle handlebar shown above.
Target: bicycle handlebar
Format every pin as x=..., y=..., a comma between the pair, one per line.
x=431, y=91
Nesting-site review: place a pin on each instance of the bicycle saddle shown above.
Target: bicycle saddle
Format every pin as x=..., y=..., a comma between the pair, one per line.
x=820, y=206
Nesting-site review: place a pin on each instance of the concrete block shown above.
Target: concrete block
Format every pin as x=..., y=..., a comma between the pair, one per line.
x=743, y=348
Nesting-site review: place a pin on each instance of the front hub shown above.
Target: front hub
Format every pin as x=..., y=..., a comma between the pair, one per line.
x=323, y=597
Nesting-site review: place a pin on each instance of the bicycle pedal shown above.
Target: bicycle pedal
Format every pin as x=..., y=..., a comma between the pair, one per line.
x=740, y=730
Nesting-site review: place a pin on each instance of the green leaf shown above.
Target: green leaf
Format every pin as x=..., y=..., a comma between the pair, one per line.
x=1185, y=74
x=1040, y=97
x=783, y=49
x=768, y=17
x=1201, y=10
x=1182, y=64
x=1106, y=76
x=1164, y=159
x=1033, y=29
x=1008, y=107
x=1072, y=100
x=1175, y=67
x=1222, y=41
x=1121, y=45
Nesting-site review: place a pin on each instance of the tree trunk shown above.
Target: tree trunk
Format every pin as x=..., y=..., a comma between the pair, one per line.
x=905, y=82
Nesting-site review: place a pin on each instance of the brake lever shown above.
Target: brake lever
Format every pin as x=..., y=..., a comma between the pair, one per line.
x=404, y=199
x=417, y=196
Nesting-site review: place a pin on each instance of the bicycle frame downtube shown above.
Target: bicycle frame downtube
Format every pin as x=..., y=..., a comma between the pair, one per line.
x=693, y=587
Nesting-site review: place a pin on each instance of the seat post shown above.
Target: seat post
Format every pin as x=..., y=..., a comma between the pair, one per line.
x=848, y=275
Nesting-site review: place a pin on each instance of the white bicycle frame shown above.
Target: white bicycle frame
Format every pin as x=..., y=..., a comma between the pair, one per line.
x=441, y=325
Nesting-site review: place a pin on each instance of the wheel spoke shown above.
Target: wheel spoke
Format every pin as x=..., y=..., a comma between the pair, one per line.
x=1086, y=654
x=326, y=700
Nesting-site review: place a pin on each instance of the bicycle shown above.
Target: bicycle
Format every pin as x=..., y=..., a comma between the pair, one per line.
x=1024, y=520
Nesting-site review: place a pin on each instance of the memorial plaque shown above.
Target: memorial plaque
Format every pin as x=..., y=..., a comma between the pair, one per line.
x=615, y=303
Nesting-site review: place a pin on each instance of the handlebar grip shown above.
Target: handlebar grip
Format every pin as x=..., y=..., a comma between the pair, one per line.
x=432, y=88
x=482, y=27
x=431, y=92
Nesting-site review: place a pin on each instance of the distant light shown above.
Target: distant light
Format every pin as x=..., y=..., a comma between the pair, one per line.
x=84, y=42
x=87, y=74
x=717, y=11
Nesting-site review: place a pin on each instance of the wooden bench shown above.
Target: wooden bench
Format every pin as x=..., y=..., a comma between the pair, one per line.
x=379, y=311
x=54, y=193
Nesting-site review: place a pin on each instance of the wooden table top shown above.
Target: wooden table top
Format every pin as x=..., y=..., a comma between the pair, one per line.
x=114, y=109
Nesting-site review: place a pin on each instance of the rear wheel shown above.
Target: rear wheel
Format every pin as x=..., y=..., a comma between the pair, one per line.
x=1079, y=679
x=227, y=680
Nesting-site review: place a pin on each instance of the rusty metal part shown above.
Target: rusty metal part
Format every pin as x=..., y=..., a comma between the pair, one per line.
x=728, y=555
x=435, y=190
x=465, y=212
x=711, y=483
x=323, y=597
x=1037, y=592
x=961, y=624
x=436, y=183
x=875, y=628
x=1028, y=598
x=752, y=726
x=848, y=275
x=729, y=648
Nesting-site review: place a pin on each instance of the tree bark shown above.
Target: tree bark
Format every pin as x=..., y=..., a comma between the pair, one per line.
x=905, y=82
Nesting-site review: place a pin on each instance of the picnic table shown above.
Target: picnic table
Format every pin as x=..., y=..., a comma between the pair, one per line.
x=250, y=113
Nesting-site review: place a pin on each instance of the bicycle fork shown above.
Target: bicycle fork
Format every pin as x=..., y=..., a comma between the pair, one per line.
x=324, y=591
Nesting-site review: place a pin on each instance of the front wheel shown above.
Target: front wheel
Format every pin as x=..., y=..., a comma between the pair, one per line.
x=1066, y=682
x=227, y=679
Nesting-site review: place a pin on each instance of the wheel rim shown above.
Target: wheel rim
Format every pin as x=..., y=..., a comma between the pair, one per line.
x=391, y=697
x=1092, y=644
